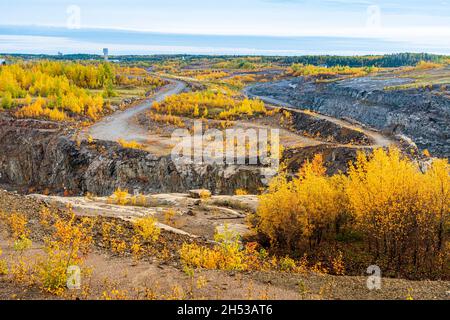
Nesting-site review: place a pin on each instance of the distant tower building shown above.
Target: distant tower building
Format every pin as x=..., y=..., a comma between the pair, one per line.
x=105, y=53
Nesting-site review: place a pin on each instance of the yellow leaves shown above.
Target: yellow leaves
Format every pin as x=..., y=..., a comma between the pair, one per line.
x=70, y=240
x=204, y=194
x=56, y=115
x=169, y=217
x=58, y=86
x=426, y=65
x=287, y=264
x=338, y=264
x=6, y=101
x=67, y=239
x=120, y=197
x=115, y=294
x=118, y=246
x=75, y=236
x=315, y=167
x=246, y=107
x=3, y=265
x=388, y=194
x=34, y=110
x=167, y=119
x=385, y=197
x=147, y=228
x=138, y=200
x=52, y=271
x=17, y=224
x=226, y=255
x=38, y=110
x=305, y=207
x=241, y=192
x=299, y=69
x=130, y=144
x=203, y=104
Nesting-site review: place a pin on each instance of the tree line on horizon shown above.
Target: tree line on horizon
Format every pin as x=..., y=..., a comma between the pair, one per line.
x=384, y=61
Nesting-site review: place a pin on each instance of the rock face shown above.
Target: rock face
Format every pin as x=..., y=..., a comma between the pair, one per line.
x=422, y=114
x=44, y=159
x=327, y=131
x=336, y=159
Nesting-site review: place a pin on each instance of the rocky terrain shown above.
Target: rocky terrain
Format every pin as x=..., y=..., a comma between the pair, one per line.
x=44, y=156
x=328, y=131
x=38, y=155
x=421, y=114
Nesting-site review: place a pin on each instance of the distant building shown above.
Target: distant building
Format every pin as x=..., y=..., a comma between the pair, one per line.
x=105, y=53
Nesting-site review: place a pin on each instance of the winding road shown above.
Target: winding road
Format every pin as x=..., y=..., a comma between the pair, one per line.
x=120, y=125
x=123, y=124
x=379, y=140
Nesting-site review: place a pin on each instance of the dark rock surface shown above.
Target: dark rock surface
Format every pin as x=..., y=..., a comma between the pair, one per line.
x=327, y=131
x=41, y=159
x=422, y=114
x=336, y=159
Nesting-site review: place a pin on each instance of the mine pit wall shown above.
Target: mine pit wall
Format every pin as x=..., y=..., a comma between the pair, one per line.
x=336, y=159
x=422, y=115
x=41, y=160
x=328, y=131
x=36, y=158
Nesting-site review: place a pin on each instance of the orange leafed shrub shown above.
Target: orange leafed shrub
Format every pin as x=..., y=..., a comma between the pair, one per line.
x=208, y=104
x=426, y=65
x=311, y=70
x=167, y=119
x=306, y=208
x=38, y=110
x=401, y=213
x=130, y=144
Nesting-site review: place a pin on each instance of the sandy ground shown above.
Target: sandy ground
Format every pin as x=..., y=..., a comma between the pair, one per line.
x=155, y=278
x=120, y=124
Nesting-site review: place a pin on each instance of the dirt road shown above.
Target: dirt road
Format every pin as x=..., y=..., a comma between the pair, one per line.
x=123, y=125
x=120, y=125
x=379, y=139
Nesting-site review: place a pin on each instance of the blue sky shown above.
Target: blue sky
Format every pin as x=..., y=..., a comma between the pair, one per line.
x=375, y=26
x=262, y=17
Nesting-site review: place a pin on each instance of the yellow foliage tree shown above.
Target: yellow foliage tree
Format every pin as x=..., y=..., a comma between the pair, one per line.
x=305, y=208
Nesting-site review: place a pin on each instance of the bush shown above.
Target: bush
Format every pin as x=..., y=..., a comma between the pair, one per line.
x=120, y=197
x=7, y=101
x=305, y=210
x=400, y=213
x=147, y=228
x=130, y=144
x=226, y=255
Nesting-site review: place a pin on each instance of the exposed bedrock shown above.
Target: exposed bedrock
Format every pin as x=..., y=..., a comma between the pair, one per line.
x=422, y=114
x=327, y=131
x=37, y=156
x=45, y=159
